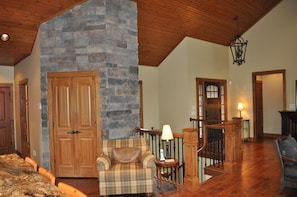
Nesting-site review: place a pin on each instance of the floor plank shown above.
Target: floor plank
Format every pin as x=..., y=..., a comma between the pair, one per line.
x=257, y=175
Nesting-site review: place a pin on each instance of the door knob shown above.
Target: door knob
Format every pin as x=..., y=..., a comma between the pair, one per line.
x=73, y=132
x=76, y=132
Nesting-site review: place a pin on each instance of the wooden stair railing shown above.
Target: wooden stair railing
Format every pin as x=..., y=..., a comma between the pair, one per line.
x=176, y=147
x=199, y=124
x=212, y=155
x=232, y=150
x=187, y=145
x=232, y=143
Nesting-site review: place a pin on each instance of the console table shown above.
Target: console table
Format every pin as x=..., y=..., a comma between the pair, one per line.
x=289, y=123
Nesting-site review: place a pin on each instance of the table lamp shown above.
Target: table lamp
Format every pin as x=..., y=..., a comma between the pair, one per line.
x=167, y=135
x=240, y=107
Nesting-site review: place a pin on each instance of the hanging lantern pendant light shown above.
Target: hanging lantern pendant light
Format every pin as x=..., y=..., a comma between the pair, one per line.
x=238, y=47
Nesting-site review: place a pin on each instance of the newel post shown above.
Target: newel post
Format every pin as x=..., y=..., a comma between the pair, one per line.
x=191, y=180
x=238, y=129
x=232, y=145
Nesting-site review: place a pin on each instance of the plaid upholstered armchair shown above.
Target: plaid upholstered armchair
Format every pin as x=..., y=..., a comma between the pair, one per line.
x=126, y=166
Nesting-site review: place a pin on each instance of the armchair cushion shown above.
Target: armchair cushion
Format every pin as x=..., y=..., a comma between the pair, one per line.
x=291, y=172
x=125, y=155
x=288, y=148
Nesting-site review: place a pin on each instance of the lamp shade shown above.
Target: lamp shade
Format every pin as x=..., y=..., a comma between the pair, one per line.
x=166, y=133
x=239, y=106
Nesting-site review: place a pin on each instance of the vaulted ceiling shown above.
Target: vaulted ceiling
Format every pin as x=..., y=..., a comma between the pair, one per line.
x=162, y=24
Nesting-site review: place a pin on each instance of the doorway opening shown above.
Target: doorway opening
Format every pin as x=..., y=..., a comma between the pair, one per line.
x=276, y=82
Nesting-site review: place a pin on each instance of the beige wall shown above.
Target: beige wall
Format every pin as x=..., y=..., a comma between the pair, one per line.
x=173, y=88
x=150, y=77
x=272, y=45
x=29, y=69
x=205, y=60
x=177, y=79
x=272, y=102
x=6, y=74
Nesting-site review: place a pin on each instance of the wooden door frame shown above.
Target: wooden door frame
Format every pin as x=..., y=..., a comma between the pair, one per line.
x=140, y=102
x=201, y=122
x=204, y=80
x=11, y=114
x=22, y=83
x=51, y=76
x=254, y=78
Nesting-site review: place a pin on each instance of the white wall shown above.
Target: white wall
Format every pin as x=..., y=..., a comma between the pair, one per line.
x=29, y=68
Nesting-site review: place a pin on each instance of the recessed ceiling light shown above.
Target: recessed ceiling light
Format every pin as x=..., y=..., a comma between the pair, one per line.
x=5, y=37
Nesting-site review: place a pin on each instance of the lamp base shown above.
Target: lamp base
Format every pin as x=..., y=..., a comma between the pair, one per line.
x=167, y=156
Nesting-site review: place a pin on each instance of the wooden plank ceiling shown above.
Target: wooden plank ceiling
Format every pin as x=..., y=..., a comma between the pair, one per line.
x=162, y=24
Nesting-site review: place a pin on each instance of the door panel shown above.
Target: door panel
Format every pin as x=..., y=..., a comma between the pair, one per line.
x=213, y=111
x=64, y=140
x=86, y=148
x=4, y=140
x=62, y=103
x=85, y=124
x=6, y=129
x=65, y=159
x=83, y=92
x=212, y=103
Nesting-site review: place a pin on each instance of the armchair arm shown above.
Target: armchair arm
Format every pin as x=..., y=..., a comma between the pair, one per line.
x=148, y=160
x=285, y=158
x=103, y=162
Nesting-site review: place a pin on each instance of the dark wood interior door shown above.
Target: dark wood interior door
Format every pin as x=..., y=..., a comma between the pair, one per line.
x=6, y=119
x=24, y=118
x=213, y=111
x=259, y=111
x=75, y=126
x=212, y=103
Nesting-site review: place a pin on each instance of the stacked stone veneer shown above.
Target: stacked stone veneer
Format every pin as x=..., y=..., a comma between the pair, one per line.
x=96, y=35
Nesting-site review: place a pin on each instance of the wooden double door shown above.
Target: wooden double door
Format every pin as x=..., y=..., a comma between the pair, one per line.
x=74, y=123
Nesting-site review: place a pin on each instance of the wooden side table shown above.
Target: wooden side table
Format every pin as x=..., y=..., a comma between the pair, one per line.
x=172, y=163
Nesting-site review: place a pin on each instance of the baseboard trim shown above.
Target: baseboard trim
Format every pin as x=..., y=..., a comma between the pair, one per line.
x=271, y=135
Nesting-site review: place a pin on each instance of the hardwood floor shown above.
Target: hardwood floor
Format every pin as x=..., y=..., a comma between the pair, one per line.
x=257, y=175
